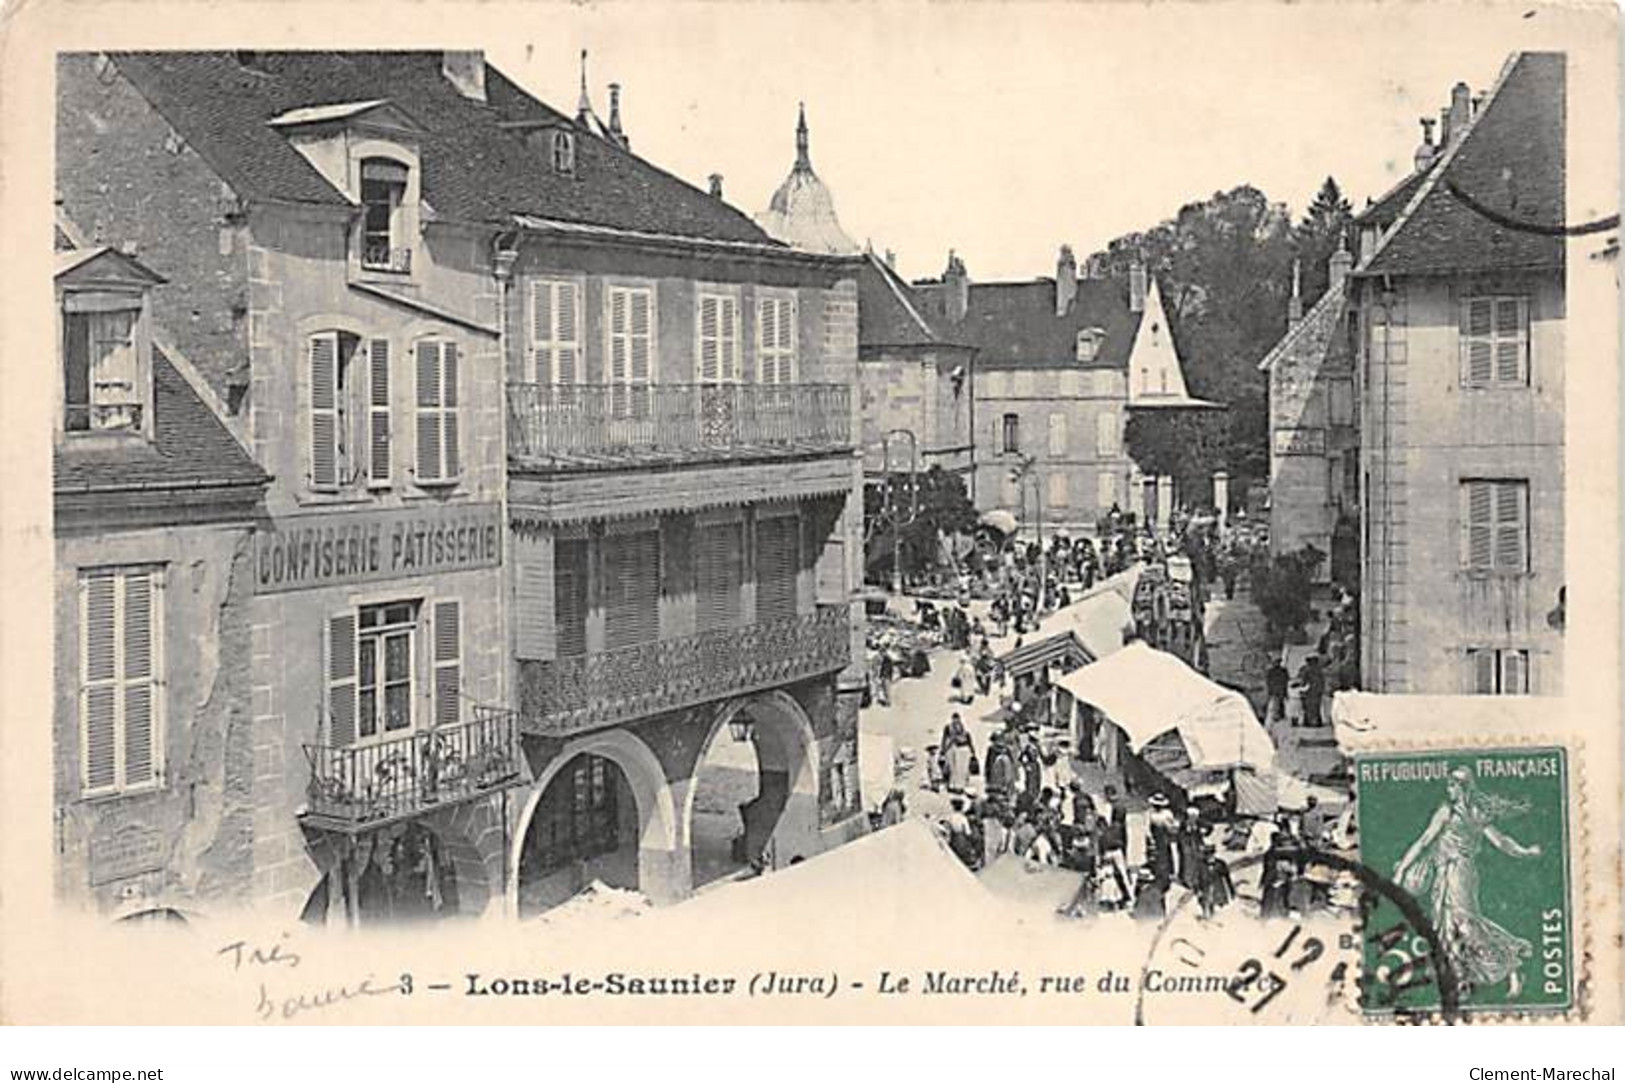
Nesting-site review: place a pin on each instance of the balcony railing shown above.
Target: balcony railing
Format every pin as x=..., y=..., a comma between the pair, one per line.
x=553, y=422
x=102, y=417
x=363, y=786
x=379, y=256
x=572, y=695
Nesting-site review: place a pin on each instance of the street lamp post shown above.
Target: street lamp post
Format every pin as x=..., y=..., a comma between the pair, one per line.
x=1022, y=474
x=894, y=515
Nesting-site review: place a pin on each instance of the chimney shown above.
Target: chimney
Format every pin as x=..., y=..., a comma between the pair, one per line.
x=1338, y=268
x=1461, y=110
x=1294, y=307
x=1428, y=152
x=955, y=289
x=1478, y=103
x=466, y=71
x=1444, y=129
x=1095, y=266
x=1369, y=236
x=891, y=259
x=1136, y=287
x=716, y=186
x=615, y=117
x=1066, y=280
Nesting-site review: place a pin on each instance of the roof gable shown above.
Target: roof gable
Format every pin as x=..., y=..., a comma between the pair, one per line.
x=1511, y=162
x=102, y=266
x=888, y=312
x=1311, y=337
x=380, y=113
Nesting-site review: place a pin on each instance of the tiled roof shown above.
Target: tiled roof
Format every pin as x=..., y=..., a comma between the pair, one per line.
x=1388, y=206
x=190, y=448
x=890, y=314
x=1510, y=161
x=474, y=170
x=1310, y=338
x=1014, y=325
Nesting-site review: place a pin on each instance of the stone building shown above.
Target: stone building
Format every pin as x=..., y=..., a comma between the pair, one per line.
x=561, y=456
x=1059, y=364
x=1459, y=302
x=154, y=506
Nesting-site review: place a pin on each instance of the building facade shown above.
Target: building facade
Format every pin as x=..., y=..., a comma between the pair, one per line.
x=1460, y=365
x=469, y=386
x=154, y=507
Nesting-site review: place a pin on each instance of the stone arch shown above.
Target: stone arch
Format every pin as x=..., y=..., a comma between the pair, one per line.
x=662, y=863
x=788, y=763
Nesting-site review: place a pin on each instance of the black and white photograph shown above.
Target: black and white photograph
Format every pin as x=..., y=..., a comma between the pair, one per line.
x=811, y=513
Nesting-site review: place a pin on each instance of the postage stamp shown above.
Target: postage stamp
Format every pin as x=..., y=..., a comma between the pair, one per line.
x=1479, y=838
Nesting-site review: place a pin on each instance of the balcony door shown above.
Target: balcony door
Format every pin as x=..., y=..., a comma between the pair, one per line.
x=631, y=588
x=720, y=575
x=384, y=654
x=778, y=557
x=718, y=368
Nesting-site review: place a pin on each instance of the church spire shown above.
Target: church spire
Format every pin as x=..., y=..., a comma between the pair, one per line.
x=583, y=103
x=803, y=162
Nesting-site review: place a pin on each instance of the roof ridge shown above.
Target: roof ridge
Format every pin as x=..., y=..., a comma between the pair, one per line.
x=891, y=281
x=1297, y=331
x=1448, y=158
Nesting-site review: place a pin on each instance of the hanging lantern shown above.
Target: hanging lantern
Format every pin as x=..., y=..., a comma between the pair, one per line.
x=742, y=726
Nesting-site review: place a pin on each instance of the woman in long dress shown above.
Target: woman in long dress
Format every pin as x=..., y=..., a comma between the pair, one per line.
x=1441, y=870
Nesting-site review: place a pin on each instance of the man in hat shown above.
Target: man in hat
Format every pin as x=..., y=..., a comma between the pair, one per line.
x=1192, y=841
x=1276, y=679
x=1150, y=901
x=1313, y=679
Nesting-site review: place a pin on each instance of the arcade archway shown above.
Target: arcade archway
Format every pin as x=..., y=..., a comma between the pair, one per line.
x=602, y=811
x=753, y=802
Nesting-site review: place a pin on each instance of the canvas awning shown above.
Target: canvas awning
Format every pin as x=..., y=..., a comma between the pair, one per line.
x=1149, y=692
x=1089, y=629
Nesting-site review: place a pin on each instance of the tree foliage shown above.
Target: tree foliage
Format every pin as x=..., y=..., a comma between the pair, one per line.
x=943, y=509
x=1225, y=269
x=1183, y=444
x=1282, y=587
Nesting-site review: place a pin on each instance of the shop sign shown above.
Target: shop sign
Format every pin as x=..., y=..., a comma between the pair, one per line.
x=321, y=550
x=1300, y=441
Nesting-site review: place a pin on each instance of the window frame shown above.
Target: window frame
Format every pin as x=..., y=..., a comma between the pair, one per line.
x=728, y=332
x=555, y=343
x=1010, y=434
x=445, y=416
x=563, y=151
x=379, y=634
x=1495, y=524
x=397, y=258
x=780, y=355
x=1499, y=671
x=1493, y=339
x=630, y=288
x=120, y=682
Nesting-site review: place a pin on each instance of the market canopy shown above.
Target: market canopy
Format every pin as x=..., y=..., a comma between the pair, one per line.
x=1083, y=632
x=1149, y=692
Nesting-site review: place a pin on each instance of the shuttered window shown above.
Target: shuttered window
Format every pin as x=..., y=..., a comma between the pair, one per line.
x=717, y=349
x=121, y=677
x=326, y=412
x=1106, y=434
x=631, y=589
x=1495, y=341
x=570, y=597
x=721, y=573
x=1495, y=522
x=776, y=340
x=555, y=332
x=1012, y=434
x=448, y=662
x=438, y=460
x=378, y=419
x=777, y=557
x=385, y=657
x=341, y=679
x=1498, y=672
x=1057, y=434
x=630, y=360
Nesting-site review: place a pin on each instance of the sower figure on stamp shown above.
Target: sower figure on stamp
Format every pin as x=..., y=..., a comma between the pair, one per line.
x=1441, y=869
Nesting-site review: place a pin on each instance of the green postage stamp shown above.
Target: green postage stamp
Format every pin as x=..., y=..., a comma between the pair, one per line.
x=1479, y=840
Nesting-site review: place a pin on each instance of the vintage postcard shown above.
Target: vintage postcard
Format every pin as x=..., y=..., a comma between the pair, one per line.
x=894, y=512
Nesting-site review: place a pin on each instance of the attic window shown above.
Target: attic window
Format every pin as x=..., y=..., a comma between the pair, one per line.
x=383, y=192
x=1089, y=341
x=564, y=151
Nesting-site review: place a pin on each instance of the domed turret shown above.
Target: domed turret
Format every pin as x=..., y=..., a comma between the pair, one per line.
x=802, y=212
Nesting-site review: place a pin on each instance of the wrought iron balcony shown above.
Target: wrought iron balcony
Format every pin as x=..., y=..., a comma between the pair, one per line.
x=357, y=787
x=573, y=695
x=596, y=424
x=379, y=256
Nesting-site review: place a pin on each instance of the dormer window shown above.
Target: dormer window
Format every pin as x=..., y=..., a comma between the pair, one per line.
x=383, y=195
x=564, y=151
x=1089, y=340
x=105, y=345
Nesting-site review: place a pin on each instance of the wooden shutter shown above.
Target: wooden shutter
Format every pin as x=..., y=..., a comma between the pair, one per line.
x=710, y=319
x=450, y=408
x=1514, y=673
x=1477, y=353
x=428, y=414
x=139, y=678
x=1511, y=498
x=642, y=317
x=324, y=411
x=767, y=340
x=98, y=697
x=1481, y=672
x=776, y=560
x=787, y=340
x=721, y=572
x=378, y=423
x=448, y=662
x=570, y=597
x=567, y=334
x=1478, y=515
x=1511, y=338
x=619, y=333
x=541, y=333
x=631, y=589
x=1057, y=434
x=341, y=679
